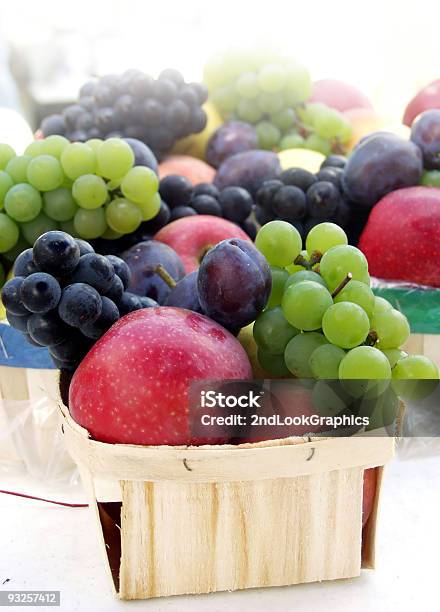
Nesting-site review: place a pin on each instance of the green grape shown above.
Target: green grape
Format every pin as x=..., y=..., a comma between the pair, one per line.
x=225, y=98
x=78, y=159
x=248, y=111
x=305, y=303
x=298, y=82
x=20, y=246
x=123, y=216
x=269, y=103
x=308, y=112
x=338, y=261
x=90, y=223
x=44, y=172
x=139, y=184
x=69, y=228
x=431, y=178
x=415, y=377
x=17, y=168
x=291, y=141
x=115, y=158
x=67, y=183
x=6, y=154
x=54, y=145
x=293, y=268
x=304, y=275
x=32, y=230
x=284, y=119
x=273, y=364
x=380, y=305
x=214, y=73
x=272, y=332
x=331, y=125
x=150, y=208
x=394, y=355
x=346, y=325
x=357, y=293
x=23, y=202
x=110, y=234
x=9, y=232
x=272, y=78
x=316, y=143
x=5, y=185
x=94, y=143
x=279, y=277
x=298, y=352
x=35, y=148
x=324, y=236
x=268, y=135
x=246, y=85
x=59, y=204
x=392, y=328
x=382, y=411
x=90, y=191
x=279, y=242
x=329, y=396
x=325, y=360
x=366, y=364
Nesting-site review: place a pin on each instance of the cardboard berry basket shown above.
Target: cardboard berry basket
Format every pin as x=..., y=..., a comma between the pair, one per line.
x=182, y=520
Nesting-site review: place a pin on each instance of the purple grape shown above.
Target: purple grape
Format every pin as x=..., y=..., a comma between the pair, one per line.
x=47, y=329
x=184, y=294
x=289, y=203
x=425, y=133
x=94, y=270
x=56, y=253
x=128, y=303
x=298, y=177
x=40, y=292
x=116, y=290
x=234, y=283
x=11, y=296
x=24, y=264
x=323, y=199
x=176, y=190
x=54, y=124
x=143, y=155
x=231, y=138
x=109, y=315
x=79, y=304
x=143, y=259
x=379, y=164
x=121, y=269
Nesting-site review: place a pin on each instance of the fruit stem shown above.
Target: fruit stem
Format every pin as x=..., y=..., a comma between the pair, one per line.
x=160, y=270
x=300, y=260
x=341, y=285
x=315, y=258
x=371, y=339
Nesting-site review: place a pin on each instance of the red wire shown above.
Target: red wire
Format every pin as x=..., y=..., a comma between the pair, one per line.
x=49, y=501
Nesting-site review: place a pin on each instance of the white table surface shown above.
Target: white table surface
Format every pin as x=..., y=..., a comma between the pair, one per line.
x=43, y=546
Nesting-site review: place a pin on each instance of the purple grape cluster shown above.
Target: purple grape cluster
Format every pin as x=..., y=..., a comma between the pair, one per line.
x=65, y=296
x=306, y=199
x=134, y=105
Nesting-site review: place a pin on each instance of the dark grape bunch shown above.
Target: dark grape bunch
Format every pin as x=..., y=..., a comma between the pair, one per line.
x=305, y=199
x=134, y=105
x=65, y=296
x=184, y=199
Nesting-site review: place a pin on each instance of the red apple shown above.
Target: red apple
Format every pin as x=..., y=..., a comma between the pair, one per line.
x=339, y=95
x=132, y=387
x=192, y=237
x=369, y=493
x=426, y=99
x=195, y=170
x=402, y=237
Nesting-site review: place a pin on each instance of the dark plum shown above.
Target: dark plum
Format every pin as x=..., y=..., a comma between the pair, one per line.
x=184, y=294
x=248, y=170
x=143, y=155
x=425, y=133
x=231, y=138
x=379, y=164
x=234, y=283
x=143, y=259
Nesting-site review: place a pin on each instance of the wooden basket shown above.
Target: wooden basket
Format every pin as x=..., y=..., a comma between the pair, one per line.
x=179, y=520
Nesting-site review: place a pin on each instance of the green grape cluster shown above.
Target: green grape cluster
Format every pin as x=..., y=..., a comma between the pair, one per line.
x=270, y=91
x=323, y=321
x=89, y=190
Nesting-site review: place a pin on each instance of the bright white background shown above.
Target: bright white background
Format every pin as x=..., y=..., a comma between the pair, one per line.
x=388, y=48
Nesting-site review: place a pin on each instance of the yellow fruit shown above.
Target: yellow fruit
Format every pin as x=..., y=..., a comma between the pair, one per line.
x=195, y=144
x=301, y=158
x=2, y=308
x=246, y=339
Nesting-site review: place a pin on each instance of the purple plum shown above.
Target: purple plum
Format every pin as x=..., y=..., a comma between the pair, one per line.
x=184, y=294
x=249, y=170
x=230, y=138
x=425, y=133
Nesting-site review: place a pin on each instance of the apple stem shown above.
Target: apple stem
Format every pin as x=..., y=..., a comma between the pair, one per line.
x=341, y=285
x=160, y=270
x=371, y=339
